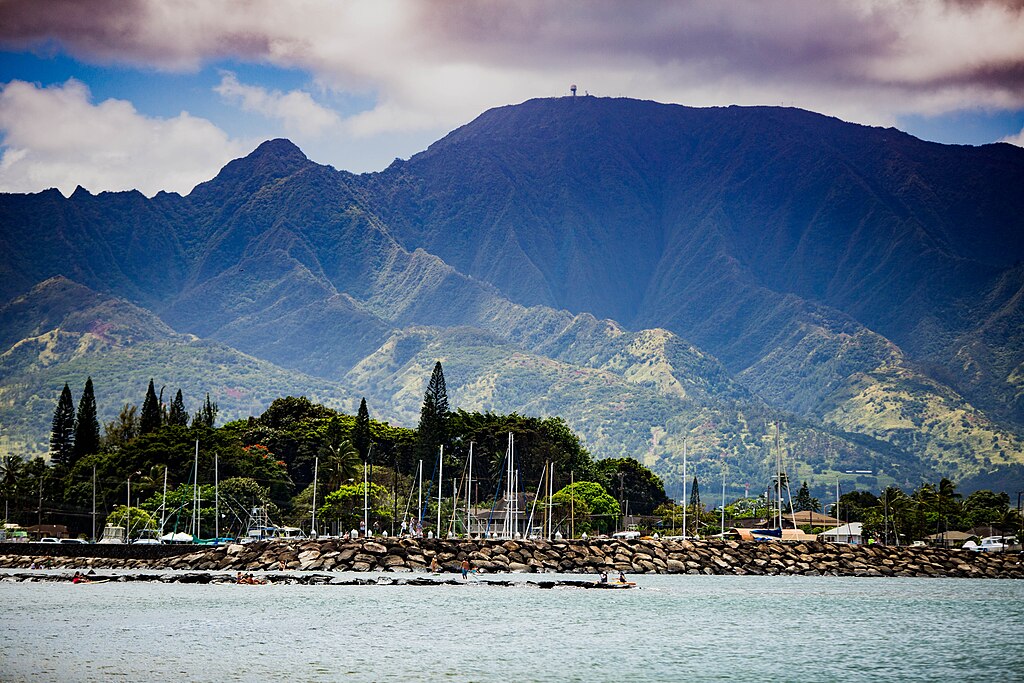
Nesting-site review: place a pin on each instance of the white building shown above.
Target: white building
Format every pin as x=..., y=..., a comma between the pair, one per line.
x=848, y=533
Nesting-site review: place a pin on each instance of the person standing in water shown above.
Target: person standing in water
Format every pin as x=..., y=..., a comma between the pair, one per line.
x=465, y=569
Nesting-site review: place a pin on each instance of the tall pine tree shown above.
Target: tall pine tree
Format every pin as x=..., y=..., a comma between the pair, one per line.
x=695, y=498
x=205, y=416
x=433, y=427
x=62, y=433
x=87, y=425
x=361, y=432
x=152, y=413
x=804, y=501
x=176, y=416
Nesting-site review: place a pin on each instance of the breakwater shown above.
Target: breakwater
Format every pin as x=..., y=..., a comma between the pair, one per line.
x=647, y=556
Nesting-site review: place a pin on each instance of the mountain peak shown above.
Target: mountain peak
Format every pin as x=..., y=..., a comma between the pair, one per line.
x=280, y=149
x=272, y=160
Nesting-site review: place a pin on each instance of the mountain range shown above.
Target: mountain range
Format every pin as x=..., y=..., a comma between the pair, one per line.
x=653, y=273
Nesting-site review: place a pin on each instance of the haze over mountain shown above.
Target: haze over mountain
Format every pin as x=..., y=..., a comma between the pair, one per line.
x=651, y=272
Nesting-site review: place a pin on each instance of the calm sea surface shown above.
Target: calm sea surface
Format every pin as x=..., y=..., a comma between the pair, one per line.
x=679, y=628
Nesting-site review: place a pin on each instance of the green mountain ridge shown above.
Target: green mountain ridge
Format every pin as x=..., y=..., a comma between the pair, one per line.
x=651, y=272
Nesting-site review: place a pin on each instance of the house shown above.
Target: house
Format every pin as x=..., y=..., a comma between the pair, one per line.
x=38, y=531
x=851, y=534
x=950, y=539
x=988, y=530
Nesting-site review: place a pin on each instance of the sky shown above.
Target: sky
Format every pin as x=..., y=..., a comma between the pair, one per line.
x=160, y=94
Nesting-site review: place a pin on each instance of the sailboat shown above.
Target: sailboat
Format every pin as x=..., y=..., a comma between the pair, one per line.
x=774, y=531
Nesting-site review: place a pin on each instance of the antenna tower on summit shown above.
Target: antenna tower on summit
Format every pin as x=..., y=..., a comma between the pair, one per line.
x=572, y=89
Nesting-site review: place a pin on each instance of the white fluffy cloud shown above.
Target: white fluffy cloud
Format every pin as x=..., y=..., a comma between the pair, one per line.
x=296, y=110
x=1017, y=139
x=57, y=137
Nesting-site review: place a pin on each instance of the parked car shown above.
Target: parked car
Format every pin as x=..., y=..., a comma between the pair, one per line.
x=74, y=540
x=49, y=539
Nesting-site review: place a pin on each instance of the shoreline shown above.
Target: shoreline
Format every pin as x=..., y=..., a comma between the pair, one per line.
x=577, y=556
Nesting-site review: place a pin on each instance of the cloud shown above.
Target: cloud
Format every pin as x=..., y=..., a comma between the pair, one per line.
x=57, y=137
x=1017, y=139
x=296, y=109
x=439, y=64
x=430, y=66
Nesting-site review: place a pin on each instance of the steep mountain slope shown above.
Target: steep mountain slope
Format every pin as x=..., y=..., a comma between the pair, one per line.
x=986, y=360
x=114, y=242
x=737, y=228
x=71, y=332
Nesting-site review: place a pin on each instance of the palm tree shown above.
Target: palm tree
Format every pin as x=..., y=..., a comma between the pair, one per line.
x=11, y=470
x=898, y=506
x=947, y=498
x=340, y=458
x=940, y=502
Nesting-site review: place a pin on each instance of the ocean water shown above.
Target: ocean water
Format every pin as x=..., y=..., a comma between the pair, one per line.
x=674, y=628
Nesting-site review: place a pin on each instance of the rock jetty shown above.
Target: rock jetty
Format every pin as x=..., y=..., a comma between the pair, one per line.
x=578, y=556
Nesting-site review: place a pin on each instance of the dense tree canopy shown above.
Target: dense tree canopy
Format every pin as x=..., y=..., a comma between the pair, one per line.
x=630, y=481
x=599, y=510
x=264, y=461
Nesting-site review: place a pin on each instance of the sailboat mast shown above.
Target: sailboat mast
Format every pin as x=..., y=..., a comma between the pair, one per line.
x=551, y=488
x=440, y=487
x=419, y=498
x=778, y=471
x=316, y=473
x=836, y=511
x=366, y=501
x=216, y=500
x=685, y=501
x=469, y=487
x=509, y=487
x=195, y=496
x=163, y=505
x=547, y=507
x=572, y=504
x=723, y=494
